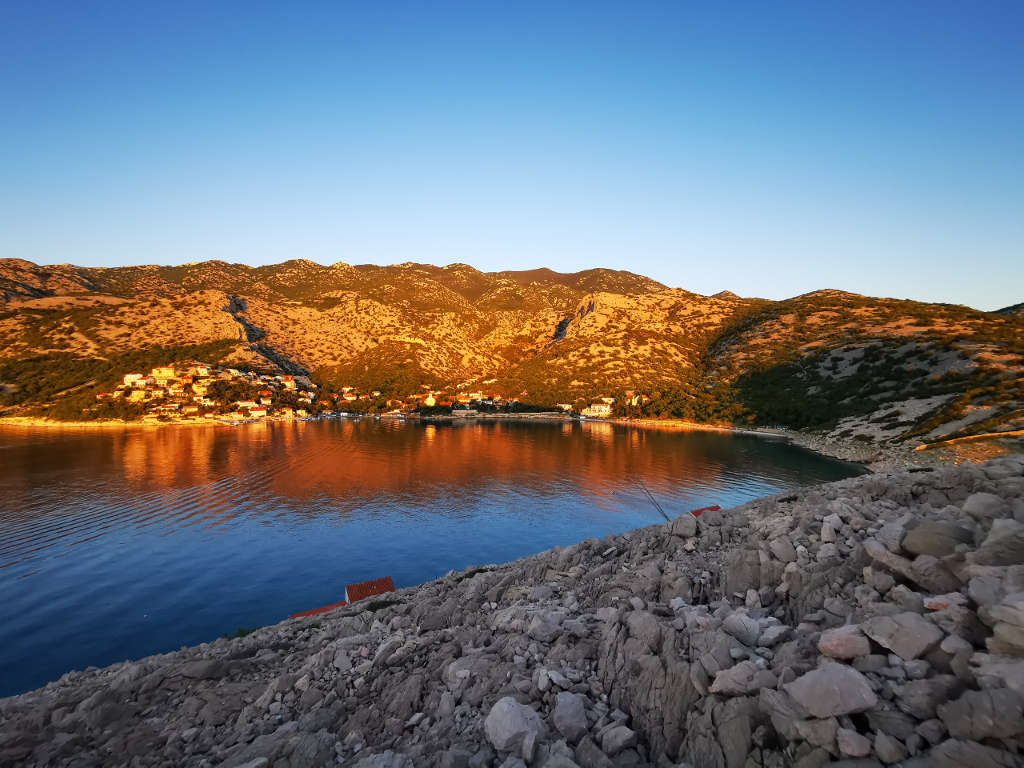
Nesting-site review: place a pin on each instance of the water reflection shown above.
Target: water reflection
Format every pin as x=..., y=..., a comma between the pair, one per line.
x=189, y=532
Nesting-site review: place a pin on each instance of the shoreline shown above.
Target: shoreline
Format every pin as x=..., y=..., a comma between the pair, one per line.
x=608, y=625
x=28, y=422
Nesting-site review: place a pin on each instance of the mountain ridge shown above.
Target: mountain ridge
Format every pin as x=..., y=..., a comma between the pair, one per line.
x=828, y=358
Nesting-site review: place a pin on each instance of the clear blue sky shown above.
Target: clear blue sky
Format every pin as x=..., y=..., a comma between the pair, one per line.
x=770, y=148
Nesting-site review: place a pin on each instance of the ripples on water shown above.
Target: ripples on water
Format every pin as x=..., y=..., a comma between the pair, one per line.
x=119, y=544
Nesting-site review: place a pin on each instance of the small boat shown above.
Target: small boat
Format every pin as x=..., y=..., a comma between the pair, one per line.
x=702, y=510
x=315, y=611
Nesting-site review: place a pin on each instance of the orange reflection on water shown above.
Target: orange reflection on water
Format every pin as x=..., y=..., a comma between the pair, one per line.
x=184, y=476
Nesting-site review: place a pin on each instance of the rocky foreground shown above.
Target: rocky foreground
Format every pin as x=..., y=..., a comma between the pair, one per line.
x=877, y=620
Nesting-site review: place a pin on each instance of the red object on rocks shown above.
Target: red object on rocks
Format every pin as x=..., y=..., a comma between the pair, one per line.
x=315, y=611
x=702, y=510
x=366, y=589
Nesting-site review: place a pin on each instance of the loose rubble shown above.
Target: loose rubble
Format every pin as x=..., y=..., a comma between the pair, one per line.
x=874, y=621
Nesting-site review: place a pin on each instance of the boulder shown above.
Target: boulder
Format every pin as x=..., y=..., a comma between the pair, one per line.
x=819, y=733
x=509, y=723
x=978, y=715
x=616, y=739
x=743, y=628
x=936, y=537
x=783, y=549
x=570, y=716
x=889, y=750
x=741, y=679
x=545, y=626
x=908, y=635
x=852, y=744
x=1004, y=544
x=955, y=753
x=921, y=698
x=846, y=642
x=984, y=506
x=589, y=755
x=684, y=526
x=832, y=689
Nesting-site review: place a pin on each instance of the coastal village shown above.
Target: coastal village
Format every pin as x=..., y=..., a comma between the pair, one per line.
x=194, y=392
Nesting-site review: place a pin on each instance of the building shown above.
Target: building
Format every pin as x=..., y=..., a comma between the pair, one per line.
x=363, y=590
x=430, y=401
x=134, y=380
x=564, y=406
x=163, y=372
x=258, y=413
x=601, y=410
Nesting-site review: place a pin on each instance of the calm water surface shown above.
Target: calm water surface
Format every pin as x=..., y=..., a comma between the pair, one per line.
x=120, y=544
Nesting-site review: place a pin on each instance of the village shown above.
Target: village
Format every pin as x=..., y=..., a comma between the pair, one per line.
x=199, y=392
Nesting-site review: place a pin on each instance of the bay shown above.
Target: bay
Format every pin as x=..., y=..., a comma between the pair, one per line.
x=117, y=544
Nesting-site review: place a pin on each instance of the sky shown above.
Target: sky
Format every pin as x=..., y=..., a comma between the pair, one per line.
x=765, y=148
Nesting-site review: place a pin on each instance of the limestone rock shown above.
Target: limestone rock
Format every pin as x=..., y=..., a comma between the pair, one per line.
x=570, y=716
x=509, y=723
x=908, y=635
x=741, y=679
x=1004, y=544
x=984, y=506
x=846, y=642
x=545, y=627
x=743, y=628
x=852, y=744
x=979, y=715
x=955, y=753
x=684, y=526
x=616, y=739
x=832, y=689
x=889, y=749
x=936, y=537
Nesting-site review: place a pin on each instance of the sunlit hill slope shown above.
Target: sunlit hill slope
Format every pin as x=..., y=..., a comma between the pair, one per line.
x=859, y=366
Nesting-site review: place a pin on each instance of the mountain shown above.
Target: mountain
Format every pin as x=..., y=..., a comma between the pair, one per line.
x=862, y=367
x=1013, y=309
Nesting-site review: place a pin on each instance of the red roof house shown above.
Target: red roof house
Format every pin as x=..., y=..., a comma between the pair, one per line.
x=366, y=589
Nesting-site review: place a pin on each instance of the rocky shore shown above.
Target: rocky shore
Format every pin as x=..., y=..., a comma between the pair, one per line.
x=874, y=621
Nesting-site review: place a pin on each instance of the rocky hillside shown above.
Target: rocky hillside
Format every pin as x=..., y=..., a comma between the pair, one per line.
x=859, y=367
x=1014, y=309
x=874, y=621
